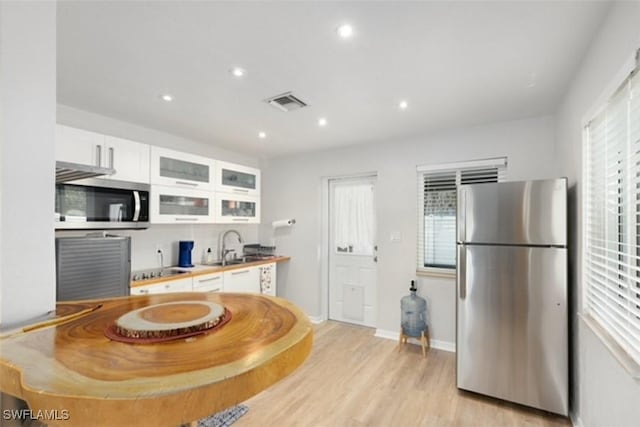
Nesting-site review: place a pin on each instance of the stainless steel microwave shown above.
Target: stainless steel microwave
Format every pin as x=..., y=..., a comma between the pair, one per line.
x=102, y=204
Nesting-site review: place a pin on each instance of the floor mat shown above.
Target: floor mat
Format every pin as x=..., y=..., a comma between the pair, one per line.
x=224, y=418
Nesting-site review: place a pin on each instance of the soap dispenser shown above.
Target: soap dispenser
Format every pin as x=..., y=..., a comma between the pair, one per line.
x=209, y=257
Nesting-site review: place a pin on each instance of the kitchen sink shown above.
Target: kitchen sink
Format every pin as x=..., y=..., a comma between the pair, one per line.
x=230, y=262
x=213, y=264
x=235, y=261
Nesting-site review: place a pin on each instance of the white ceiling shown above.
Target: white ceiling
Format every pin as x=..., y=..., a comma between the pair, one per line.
x=456, y=63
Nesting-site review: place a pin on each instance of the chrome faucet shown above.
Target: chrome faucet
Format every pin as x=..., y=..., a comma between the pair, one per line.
x=223, y=246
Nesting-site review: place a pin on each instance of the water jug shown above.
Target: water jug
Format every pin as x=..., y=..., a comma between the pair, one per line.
x=414, y=313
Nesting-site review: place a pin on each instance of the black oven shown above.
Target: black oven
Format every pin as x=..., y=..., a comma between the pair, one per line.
x=102, y=204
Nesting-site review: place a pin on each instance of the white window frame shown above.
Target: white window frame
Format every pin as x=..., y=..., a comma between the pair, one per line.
x=456, y=167
x=616, y=324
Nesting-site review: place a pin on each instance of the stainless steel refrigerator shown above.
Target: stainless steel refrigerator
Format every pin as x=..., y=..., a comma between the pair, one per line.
x=512, y=323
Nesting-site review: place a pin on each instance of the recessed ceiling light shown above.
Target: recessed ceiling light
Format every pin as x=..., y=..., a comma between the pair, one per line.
x=345, y=31
x=237, y=71
x=322, y=121
x=262, y=135
x=403, y=105
x=166, y=97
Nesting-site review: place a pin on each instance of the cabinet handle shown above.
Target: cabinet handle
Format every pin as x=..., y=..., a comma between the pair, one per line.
x=239, y=272
x=240, y=219
x=211, y=279
x=192, y=184
x=186, y=219
x=111, y=157
x=240, y=190
x=98, y=155
x=144, y=291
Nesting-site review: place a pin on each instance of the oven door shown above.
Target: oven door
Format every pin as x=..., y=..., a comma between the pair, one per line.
x=102, y=204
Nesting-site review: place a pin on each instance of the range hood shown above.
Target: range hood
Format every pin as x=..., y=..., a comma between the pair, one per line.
x=67, y=171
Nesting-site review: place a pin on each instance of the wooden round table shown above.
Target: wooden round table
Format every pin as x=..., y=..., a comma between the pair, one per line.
x=80, y=376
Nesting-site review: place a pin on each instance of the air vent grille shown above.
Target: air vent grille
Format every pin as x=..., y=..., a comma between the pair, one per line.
x=286, y=102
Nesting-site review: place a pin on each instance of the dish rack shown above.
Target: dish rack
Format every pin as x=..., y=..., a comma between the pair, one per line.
x=257, y=250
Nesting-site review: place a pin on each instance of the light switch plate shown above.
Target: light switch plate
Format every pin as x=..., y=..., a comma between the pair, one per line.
x=396, y=236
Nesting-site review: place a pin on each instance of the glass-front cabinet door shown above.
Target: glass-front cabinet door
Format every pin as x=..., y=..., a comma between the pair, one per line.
x=169, y=167
x=235, y=208
x=170, y=205
x=237, y=179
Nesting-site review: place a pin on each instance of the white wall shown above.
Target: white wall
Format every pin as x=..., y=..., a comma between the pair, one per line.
x=144, y=243
x=27, y=120
x=292, y=188
x=603, y=393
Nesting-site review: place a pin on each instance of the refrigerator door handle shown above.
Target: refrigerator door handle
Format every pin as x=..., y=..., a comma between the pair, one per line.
x=462, y=205
x=462, y=271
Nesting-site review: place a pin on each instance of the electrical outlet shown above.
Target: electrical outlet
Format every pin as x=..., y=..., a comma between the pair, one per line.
x=160, y=254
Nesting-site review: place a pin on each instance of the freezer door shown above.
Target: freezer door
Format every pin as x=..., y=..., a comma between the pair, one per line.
x=514, y=213
x=512, y=324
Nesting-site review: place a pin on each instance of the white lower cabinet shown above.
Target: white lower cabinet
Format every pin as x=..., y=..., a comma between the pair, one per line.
x=260, y=279
x=213, y=282
x=242, y=280
x=179, y=285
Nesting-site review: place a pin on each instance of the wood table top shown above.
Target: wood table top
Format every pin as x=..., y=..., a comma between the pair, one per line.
x=74, y=367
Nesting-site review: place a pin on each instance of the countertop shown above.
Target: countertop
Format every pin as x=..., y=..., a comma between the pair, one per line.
x=200, y=269
x=72, y=367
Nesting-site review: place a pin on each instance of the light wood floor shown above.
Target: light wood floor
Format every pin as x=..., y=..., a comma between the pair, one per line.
x=355, y=379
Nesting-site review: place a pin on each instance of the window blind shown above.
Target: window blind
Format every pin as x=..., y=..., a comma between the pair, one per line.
x=611, y=211
x=437, y=201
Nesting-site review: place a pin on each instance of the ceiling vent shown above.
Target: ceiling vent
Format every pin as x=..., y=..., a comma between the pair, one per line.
x=286, y=102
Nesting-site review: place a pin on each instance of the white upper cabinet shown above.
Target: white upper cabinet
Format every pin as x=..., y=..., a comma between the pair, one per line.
x=237, y=179
x=79, y=146
x=171, y=205
x=237, y=208
x=176, y=169
x=130, y=159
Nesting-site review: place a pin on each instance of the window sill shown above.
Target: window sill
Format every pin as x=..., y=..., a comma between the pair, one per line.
x=437, y=272
x=631, y=366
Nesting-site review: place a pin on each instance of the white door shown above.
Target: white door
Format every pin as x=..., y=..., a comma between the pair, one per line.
x=352, y=251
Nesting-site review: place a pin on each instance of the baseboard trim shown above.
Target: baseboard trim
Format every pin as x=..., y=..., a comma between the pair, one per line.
x=576, y=421
x=437, y=344
x=316, y=320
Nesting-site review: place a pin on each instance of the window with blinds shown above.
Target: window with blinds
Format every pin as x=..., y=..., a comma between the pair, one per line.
x=611, y=212
x=437, y=201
